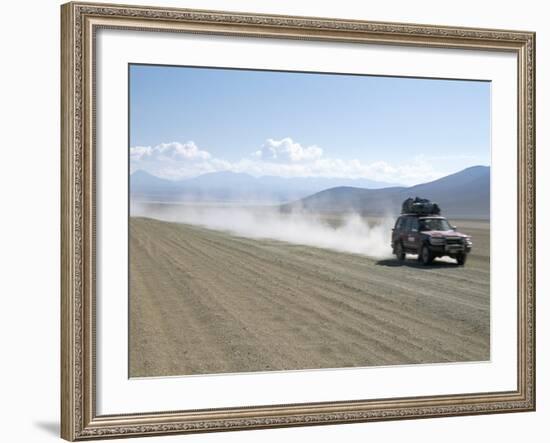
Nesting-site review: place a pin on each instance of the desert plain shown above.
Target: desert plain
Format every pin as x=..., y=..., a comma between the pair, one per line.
x=209, y=301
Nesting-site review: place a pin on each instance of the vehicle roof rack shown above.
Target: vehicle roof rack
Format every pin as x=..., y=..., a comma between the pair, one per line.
x=420, y=206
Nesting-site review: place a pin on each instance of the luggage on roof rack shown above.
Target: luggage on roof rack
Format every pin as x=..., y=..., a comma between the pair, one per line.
x=421, y=206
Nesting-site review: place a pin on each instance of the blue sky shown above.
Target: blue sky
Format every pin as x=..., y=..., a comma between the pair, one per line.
x=187, y=121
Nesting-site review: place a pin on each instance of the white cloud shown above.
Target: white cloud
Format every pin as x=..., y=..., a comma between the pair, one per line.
x=286, y=150
x=173, y=151
x=174, y=160
x=284, y=158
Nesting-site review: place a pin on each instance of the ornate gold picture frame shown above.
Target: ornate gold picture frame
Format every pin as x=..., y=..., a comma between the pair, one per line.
x=80, y=23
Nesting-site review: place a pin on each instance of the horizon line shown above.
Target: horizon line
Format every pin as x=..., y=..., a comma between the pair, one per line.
x=288, y=177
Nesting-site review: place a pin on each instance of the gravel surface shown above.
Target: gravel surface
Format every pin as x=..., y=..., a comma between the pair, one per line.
x=204, y=301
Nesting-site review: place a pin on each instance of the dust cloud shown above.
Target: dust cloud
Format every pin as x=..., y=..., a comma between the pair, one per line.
x=345, y=233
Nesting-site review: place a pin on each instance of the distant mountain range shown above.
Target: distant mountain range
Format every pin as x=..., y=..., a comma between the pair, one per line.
x=236, y=187
x=465, y=194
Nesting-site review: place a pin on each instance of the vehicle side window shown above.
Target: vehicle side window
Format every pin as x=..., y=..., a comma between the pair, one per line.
x=399, y=224
x=413, y=224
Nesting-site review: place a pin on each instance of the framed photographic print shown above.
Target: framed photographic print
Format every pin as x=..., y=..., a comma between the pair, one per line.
x=282, y=221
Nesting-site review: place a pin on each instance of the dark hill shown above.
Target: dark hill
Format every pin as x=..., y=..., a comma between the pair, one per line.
x=464, y=194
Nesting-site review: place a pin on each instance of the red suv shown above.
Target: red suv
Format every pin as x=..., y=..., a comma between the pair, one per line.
x=429, y=236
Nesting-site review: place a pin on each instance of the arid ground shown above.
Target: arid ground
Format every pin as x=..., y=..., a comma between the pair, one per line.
x=205, y=301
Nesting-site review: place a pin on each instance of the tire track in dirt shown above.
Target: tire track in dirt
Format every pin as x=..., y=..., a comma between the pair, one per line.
x=341, y=283
x=207, y=302
x=368, y=321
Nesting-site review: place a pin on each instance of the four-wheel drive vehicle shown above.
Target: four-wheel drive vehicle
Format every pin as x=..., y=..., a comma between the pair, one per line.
x=429, y=236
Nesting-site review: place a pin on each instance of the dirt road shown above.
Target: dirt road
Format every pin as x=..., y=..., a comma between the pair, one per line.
x=203, y=301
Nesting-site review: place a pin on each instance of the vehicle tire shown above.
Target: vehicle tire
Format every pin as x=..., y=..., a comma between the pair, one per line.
x=426, y=256
x=399, y=253
x=461, y=259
